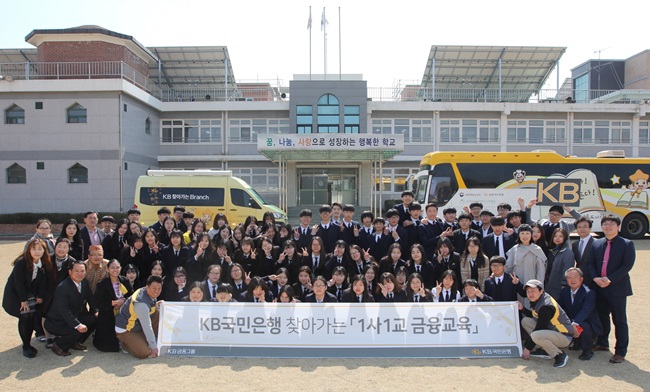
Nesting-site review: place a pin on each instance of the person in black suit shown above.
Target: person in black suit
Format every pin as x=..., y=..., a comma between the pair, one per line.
x=579, y=303
x=396, y=232
x=403, y=208
x=26, y=292
x=314, y=257
x=358, y=291
x=582, y=248
x=475, y=210
x=418, y=262
x=237, y=279
x=289, y=259
x=213, y=278
x=610, y=263
x=392, y=260
x=68, y=318
x=303, y=286
x=366, y=229
x=379, y=242
x=389, y=289
x=485, y=228
x=257, y=291
x=179, y=211
x=412, y=225
x=173, y=256
x=349, y=229
x=326, y=230
x=116, y=241
x=107, y=301
x=320, y=293
x=163, y=212
x=446, y=289
x=339, y=258
x=429, y=230
x=464, y=232
x=302, y=234
x=70, y=230
x=473, y=292
x=90, y=233
x=415, y=290
x=445, y=259
x=497, y=243
x=178, y=288
x=500, y=286
x=450, y=221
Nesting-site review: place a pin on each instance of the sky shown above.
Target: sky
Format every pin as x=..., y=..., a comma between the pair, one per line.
x=387, y=42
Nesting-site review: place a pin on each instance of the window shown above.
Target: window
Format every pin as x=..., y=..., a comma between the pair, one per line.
x=160, y=196
x=147, y=126
x=644, y=132
x=40, y=165
x=78, y=174
x=581, y=86
x=16, y=174
x=536, y=131
x=394, y=180
x=351, y=116
x=469, y=131
x=77, y=114
x=242, y=199
x=328, y=114
x=414, y=130
x=621, y=132
x=188, y=131
x=304, y=118
x=263, y=180
x=583, y=131
x=517, y=131
x=126, y=108
x=555, y=132
x=14, y=115
x=38, y=105
x=488, y=131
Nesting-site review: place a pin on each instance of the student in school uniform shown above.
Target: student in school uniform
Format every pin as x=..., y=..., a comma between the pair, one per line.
x=358, y=291
x=379, y=242
x=419, y=263
x=501, y=286
x=389, y=289
x=320, y=294
x=315, y=256
x=447, y=288
x=237, y=279
x=447, y=259
x=303, y=287
x=257, y=291
x=415, y=290
x=473, y=292
x=338, y=283
x=392, y=260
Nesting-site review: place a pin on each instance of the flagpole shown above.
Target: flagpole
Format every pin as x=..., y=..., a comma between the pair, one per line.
x=309, y=27
x=323, y=25
x=339, y=43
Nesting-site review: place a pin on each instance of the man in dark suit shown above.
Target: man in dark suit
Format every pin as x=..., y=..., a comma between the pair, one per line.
x=473, y=292
x=497, y=243
x=403, y=207
x=378, y=242
x=429, y=231
x=397, y=232
x=68, y=317
x=501, y=286
x=579, y=303
x=327, y=230
x=302, y=233
x=583, y=247
x=163, y=212
x=90, y=234
x=464, y=233
x=610, y=263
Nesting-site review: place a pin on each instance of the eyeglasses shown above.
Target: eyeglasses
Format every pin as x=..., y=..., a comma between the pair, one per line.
x=214, y=273
x=608, y=223
x=320, y=286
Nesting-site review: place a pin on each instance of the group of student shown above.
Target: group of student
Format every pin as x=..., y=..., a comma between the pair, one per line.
x=409, y=256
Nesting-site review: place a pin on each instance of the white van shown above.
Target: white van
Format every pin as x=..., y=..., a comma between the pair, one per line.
x=205, y=193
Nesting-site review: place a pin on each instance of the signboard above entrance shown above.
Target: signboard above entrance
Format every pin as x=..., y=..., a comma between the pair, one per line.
x=337, y=145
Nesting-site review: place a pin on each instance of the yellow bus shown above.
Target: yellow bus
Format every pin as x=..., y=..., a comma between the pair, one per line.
x=608, y=183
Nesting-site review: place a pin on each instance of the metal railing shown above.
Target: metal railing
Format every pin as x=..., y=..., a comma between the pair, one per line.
x=408, y=93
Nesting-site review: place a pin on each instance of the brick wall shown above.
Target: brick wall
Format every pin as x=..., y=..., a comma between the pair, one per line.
x=83, y=51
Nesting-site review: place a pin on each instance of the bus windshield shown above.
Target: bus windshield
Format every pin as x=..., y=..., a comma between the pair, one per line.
x=442, y=185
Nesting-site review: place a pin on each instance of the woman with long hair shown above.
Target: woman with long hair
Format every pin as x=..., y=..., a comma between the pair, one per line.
x=27, y=290
x=70, y=230
x=474, y=264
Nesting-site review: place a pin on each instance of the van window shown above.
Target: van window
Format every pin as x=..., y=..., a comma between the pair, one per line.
x=242, y=199
x=158, y=196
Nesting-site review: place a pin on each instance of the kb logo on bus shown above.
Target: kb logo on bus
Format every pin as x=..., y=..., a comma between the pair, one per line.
x=555, y=191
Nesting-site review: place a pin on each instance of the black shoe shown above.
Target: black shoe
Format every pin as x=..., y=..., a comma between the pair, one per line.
x=575, y=345
x=561, y=359
x=28, y=352
x=41, y=338
x=586, y=355
x=540, y=353
x=50, y=342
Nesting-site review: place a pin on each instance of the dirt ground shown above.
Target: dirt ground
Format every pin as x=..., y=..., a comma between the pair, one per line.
x=101, y=371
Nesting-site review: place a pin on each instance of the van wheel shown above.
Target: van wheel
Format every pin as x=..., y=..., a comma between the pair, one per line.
x=634, y=226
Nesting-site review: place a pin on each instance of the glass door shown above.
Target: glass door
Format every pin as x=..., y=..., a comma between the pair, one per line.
x=326, y=186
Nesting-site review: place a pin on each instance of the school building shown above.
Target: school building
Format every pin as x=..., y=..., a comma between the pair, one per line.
x=87, y=110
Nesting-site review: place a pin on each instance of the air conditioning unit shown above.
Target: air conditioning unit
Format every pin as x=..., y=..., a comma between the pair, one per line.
x=611, y=154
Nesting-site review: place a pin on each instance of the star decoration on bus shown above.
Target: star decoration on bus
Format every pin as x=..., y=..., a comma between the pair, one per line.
x=615, y=179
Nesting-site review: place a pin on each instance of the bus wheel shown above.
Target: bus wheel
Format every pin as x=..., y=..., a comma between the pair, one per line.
x=634, y=226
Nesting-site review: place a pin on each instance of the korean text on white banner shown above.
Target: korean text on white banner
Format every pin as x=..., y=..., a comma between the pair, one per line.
x=358, y=330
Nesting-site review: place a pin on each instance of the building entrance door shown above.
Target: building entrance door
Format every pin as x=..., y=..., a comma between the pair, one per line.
x=326, y=186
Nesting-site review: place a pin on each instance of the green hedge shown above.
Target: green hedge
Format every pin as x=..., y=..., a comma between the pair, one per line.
x=54, y=217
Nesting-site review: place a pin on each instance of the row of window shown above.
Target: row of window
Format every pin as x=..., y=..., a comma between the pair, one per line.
x=328, y=117
x=16, y=174
x=74, y=114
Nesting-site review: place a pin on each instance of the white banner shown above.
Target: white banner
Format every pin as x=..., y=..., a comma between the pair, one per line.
x=489, y=329
x=324, y=141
